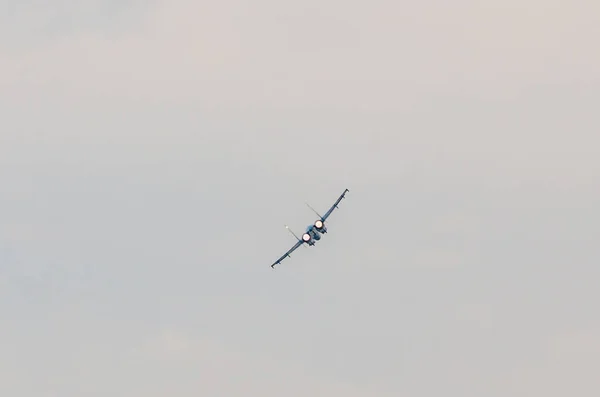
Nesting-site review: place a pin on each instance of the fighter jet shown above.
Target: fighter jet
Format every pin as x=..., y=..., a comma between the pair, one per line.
x=313, y=232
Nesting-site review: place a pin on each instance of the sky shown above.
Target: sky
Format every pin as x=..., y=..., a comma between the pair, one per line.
x=152, y=152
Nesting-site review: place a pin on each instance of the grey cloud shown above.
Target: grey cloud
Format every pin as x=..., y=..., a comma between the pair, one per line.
x=148, y=166
x=270, y=51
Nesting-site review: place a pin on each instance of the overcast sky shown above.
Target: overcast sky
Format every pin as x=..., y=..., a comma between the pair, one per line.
x=151, y=153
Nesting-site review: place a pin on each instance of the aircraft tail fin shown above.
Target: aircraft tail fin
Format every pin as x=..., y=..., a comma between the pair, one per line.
x=293, y=234
x=313, y=210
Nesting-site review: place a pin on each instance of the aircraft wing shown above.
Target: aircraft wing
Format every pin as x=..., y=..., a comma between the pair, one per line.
x=334, y=206
x=287, y=254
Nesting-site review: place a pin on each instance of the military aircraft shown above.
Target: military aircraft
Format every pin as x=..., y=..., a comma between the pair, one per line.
x=313, y=232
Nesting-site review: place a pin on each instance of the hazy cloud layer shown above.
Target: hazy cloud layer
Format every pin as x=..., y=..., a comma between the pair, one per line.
x=150, y=153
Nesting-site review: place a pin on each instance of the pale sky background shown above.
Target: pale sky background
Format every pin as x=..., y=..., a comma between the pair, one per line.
x=151, y=152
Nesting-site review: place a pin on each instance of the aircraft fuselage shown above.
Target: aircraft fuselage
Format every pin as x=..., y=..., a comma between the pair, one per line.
x=313, y=234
